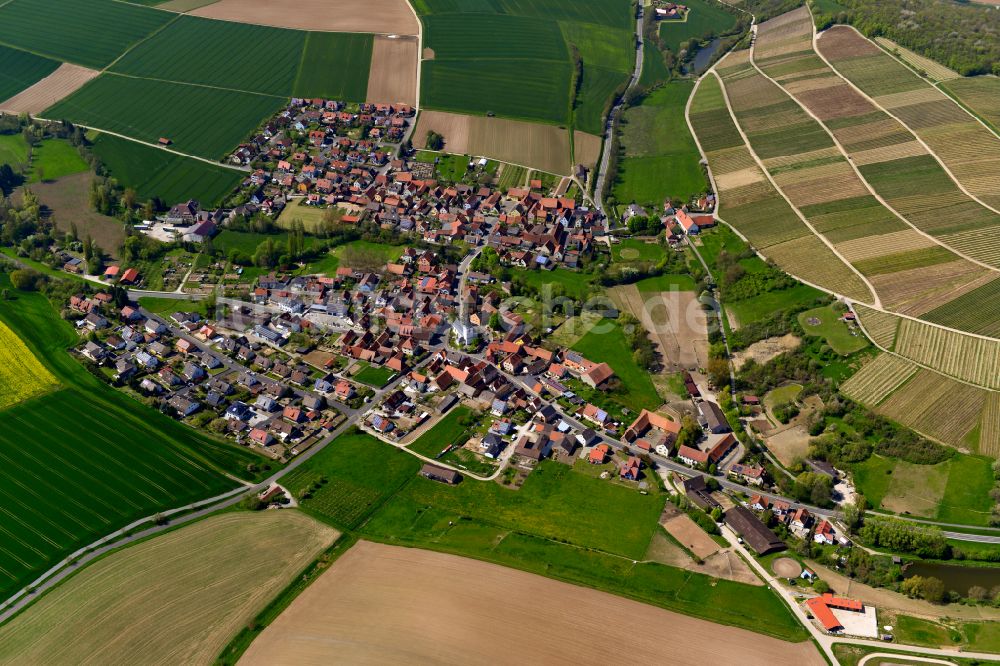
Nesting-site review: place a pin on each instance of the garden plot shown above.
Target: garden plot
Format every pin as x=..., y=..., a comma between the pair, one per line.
x=878, y=379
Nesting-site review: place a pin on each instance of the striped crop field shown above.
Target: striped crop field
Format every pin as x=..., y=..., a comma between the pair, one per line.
x=931, y=68
x=207, y=122
x=755, y=208
x=989, y=428
x=937, y=406
x=21, y=375
x=20, y=70
x=976, y=311
x=969, y=149
x=981, y=94
x=880, y=326
x=877, y=379
x=91, y=33
x=972, y=359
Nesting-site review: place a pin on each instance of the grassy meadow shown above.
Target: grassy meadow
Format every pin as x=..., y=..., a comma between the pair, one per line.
x=661, y=158
x=52, y=159
x=154, y=173
x=637, y=390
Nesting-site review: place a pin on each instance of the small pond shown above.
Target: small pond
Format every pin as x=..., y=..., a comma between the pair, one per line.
x=956, y=577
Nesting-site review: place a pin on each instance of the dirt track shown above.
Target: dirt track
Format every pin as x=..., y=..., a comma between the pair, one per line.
x=61, y=83
x=385, y=604
x=535, y=145
x=393, y=76
x=387, y=17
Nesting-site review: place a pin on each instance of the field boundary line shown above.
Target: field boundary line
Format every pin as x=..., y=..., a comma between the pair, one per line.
x=850, y=161
x=760, y=165
x=936, y=84
x=141, y=41
x=196, y=85
x=224, y=165
x=866, y=96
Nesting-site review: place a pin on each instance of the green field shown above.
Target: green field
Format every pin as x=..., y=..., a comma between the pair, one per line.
x=374, y=375
x=446, y=432
x=832, y=329
x=335, y=65
x=208, y=122
x=759, y=307
x=155, y=173
x=631, y=249
x=661, y=159
x=350, y=478
x=578, y=286
x=20, y=70
x=81, y=462
x=246, y=242
x=637, y=391
x=513, y=57
x=705, y=18
x=13, y=150
x=52, y=159
x=91, y=33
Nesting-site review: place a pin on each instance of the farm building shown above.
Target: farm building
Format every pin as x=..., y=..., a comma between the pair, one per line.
x=756, y=534
x=442, y=474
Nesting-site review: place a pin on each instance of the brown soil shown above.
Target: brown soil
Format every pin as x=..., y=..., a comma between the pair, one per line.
x=789, y=445
x=786, y=567
x=586, y=148
x=384, y=604
x=393, y=76
x=67, y=201
x=675, y=322
x=60, y=83
x=842, y=42
x=765, y=350
x=428, y=53
x=386, y=17
x=544, y=147
x=835, y=101
x=691, y=536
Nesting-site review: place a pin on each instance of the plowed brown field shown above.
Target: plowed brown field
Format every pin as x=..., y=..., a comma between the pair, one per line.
x=60, y=83
x=393, y=75
x=387, y=17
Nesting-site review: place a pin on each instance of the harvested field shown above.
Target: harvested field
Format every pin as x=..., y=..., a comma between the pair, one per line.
x=381, y=604
x=60, y=83
x=879, y=326
x=586, y=148
x=674, y=321
x=764, y=350
x=544, y=147
x=67, y=201
x=790, y=445
x=692, y=537
x=393, y=74
x=175, y=599
x=878, y=378
x=389, y=17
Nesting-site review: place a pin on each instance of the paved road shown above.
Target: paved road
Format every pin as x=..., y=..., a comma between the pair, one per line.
x=609, y=127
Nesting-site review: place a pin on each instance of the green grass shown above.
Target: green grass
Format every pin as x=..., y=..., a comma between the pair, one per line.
x=783, y=395
x=446, y=432
x=759, y=307
x=86, y=460
x=918, y=631
x=168, y=306
x=966, y=496
x=350, y=478
x=335, y=65
x=155, y=173
x=654, y=69
x=374, y=376
x=52, y=159
x=872, y=478
x=13, y=150
x=578, y=286
x=512, y=176
x=596, y=89
x=661, y=158
x=20, y=70
x=207, y=122
x=632, y=249
x=982, y=636
x=247, y=242
x=607, y=343
x=706, y=18
x=832, y=329
x=86, y=32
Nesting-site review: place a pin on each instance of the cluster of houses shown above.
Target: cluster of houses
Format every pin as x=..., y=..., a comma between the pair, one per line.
x=188, y=367
x=800, y=521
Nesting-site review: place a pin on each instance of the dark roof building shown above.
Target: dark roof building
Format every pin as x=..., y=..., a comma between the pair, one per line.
x=442, y=474
x=714, y=418
x=698, y=492
x=756, y=534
